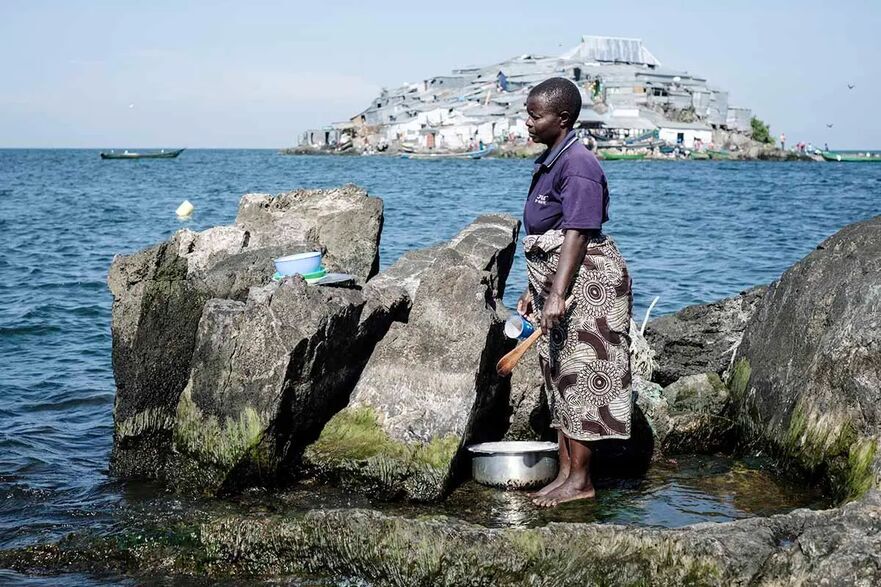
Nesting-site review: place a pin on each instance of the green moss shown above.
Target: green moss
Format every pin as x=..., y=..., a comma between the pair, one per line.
x=815, y=439
x=739, y=379
x=829, y=443
x=860, y=460
x=529, y=542
x=223, y=444
x=716, y=381
x=354, y=434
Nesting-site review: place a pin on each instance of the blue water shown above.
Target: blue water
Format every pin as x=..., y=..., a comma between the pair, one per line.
x=691, y=232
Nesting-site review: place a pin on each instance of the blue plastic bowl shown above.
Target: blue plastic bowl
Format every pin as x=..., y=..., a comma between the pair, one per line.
x=300, y=263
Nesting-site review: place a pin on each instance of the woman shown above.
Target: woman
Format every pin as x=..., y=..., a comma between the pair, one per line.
x=580, y=288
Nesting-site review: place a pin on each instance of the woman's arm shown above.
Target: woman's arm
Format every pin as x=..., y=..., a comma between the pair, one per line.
x=571, y=256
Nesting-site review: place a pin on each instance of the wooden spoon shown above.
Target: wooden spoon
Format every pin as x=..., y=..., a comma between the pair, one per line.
x=506, y=364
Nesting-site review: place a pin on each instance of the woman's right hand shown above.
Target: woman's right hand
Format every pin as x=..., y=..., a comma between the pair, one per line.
x=524, y=304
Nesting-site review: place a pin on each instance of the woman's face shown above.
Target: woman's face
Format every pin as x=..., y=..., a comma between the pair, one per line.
x=543, y=123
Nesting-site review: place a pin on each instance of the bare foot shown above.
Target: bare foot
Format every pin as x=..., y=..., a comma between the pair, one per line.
x=571, y=490
x=561, y=478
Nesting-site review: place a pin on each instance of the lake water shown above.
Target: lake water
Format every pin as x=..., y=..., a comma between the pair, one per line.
x=691, y=232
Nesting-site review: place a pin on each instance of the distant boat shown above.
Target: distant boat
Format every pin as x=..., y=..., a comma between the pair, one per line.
x=850, y=157
x=610, y=156
x=699, y=156
x=160, y=154
x=718, y=154
x=451, y=155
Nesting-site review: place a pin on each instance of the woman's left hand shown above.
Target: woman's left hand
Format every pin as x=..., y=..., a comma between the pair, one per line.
x=554, y=308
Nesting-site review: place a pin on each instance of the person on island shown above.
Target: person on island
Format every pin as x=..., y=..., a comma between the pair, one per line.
x=580, y=290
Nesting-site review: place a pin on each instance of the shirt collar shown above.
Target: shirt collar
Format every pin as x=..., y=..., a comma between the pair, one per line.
x=549, y=157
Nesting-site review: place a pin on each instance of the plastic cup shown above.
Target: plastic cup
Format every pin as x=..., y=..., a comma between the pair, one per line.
x=518, y=327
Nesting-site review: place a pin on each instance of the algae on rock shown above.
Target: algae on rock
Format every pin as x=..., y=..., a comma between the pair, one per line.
x=811, y=387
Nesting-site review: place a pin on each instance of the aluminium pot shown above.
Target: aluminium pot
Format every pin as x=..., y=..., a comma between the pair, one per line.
x=514, y=464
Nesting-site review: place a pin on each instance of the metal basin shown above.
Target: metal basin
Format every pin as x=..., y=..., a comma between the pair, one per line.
x=513, y=464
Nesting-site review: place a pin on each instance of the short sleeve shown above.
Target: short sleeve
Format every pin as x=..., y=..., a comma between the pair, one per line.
x=583, y=203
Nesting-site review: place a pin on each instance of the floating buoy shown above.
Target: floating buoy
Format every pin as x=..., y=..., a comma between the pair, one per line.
x=185, y=209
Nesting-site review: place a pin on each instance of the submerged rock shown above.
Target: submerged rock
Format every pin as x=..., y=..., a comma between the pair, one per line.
x=803, y=547
x=159, y=294
x=430, y=386
x=700, y=339
x=808, y=374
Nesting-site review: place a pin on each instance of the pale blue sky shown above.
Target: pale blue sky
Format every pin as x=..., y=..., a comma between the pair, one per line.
x=257, y=73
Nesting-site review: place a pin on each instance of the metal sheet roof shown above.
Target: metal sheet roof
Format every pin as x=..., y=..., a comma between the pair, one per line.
x=612, y=50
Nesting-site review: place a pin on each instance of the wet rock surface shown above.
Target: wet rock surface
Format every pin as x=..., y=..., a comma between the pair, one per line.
x=808, y=373
x=691, y=415
x=804, y=547
x=700, y=339
x=159, y=295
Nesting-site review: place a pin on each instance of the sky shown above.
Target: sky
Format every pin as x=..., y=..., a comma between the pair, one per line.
x=95, y=73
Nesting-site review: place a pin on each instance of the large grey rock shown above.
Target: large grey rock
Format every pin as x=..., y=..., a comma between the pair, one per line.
x=159, y=293
x=808, y=374
x=154, y=318
x=489, y=243
x=345, y=221
x=700, y=339
x=429, y=388
x=266, y=375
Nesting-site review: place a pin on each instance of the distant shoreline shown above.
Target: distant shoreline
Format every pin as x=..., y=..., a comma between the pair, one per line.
x=775, y=155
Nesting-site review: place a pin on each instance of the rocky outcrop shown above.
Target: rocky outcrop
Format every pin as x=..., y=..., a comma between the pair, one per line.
x=430, y=386
x=808, y=375
x=159, y=295
x=803, y=547
x=700, y=339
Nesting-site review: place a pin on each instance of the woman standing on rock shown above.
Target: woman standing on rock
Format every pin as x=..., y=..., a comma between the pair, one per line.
x=579, y=287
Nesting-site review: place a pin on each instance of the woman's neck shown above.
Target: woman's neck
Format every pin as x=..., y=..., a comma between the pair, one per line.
x=559, y=140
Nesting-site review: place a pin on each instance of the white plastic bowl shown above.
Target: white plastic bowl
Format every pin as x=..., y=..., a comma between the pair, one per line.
x=300, y=263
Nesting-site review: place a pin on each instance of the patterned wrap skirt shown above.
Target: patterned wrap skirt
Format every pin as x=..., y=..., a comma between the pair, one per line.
x=585, y=359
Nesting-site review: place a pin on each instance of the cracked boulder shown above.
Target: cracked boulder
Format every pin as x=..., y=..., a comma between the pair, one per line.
x=266, y=375
x=159, y=294
x=489, y=244
x=429, y=389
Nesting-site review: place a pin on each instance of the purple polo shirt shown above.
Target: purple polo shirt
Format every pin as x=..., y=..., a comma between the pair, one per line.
x=568, y=190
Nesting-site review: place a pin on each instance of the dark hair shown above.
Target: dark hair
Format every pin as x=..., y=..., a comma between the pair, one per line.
x=561, y=95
